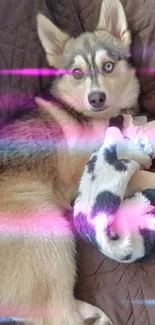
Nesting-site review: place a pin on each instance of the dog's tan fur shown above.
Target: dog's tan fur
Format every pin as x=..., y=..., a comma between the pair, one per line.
x=38, y=181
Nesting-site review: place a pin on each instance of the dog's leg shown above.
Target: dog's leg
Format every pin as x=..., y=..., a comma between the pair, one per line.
x=60, y=304
x=38, y=272
x=39, y=284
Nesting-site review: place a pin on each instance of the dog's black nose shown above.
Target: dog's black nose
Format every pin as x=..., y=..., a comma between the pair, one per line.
x=97, y=99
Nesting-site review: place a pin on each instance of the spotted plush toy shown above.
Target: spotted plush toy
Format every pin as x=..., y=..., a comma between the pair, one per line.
x=119, y=222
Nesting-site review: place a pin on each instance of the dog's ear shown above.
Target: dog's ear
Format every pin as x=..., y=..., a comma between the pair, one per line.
x=113, y=20
x=52, y=40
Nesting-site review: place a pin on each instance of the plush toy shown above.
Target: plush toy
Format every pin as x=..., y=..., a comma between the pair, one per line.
x=115, y=204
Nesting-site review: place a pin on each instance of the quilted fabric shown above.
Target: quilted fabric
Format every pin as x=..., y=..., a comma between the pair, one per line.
x=141, y=21
x=19, y=47
x=121, y=290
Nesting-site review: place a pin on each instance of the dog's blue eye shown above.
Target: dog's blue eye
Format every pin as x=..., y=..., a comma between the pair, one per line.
x=108, y=67
x=78, y=73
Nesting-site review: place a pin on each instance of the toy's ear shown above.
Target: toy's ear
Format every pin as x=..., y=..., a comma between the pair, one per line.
x=113, y=20
x=52, y=40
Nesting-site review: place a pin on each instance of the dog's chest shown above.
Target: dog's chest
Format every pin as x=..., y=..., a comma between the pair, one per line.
x=81, y=140
x=50, y=150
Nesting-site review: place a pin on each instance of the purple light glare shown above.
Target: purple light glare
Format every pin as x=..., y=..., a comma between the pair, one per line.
x=35, y=71
x=55, y=72
x=146, y=70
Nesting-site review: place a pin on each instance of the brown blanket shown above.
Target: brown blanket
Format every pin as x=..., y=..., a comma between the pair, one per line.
x=102, y=282
x=19, y=47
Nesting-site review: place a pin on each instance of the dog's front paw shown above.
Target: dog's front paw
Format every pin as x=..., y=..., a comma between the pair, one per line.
x=141, y=155
x=143, y=159
x=144, y=153
x=145, y=146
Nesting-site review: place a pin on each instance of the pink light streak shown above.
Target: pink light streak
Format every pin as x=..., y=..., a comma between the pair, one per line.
x=44, y=222
x=131, y=215
x=47, y=223
x=30, y=312
x=56, y=72
x=146, y=70
x=35, y=71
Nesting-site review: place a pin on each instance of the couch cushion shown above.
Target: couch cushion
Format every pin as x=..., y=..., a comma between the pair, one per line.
x=19, y=47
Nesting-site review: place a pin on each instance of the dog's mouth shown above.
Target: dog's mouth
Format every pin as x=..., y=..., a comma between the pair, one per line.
x=98, y=112
x=99, y=109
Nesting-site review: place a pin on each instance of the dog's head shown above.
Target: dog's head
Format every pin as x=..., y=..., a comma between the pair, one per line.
x=101, y=82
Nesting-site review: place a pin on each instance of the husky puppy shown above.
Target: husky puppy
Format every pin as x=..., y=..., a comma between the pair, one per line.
x=42, y=157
